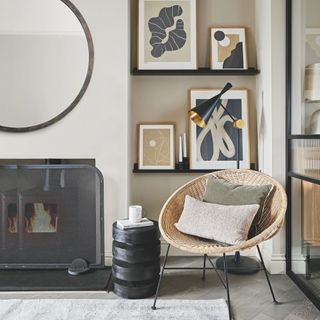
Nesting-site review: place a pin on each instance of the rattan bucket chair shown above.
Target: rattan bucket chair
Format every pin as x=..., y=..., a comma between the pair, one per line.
x=273, y=219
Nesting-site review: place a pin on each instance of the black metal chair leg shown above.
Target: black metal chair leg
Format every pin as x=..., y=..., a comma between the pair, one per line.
x=160, y=279
x=267, y=276
x=204, y=267
x=227, y=284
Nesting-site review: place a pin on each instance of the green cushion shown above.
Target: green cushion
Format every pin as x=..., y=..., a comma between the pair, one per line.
x=222, y=192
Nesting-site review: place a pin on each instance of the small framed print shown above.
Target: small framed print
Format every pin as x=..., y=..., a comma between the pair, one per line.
x=167, y=34
x=156, y=146
x=228, y=48
x=215, y=146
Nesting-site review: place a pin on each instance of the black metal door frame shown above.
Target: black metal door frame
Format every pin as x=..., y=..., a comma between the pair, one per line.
x=289, y=175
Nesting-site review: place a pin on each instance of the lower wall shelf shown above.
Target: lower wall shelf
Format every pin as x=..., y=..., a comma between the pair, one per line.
x=177, y=170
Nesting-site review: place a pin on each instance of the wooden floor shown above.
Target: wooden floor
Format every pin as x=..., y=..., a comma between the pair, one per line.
x=250, y=295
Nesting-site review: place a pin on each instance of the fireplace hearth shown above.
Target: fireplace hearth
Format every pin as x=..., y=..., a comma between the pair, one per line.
x=50, y=215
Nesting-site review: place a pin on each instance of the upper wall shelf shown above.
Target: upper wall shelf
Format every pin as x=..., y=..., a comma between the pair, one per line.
x=198, y=72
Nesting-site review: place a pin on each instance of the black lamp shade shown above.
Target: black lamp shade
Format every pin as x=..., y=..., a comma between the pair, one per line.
x=201, y=114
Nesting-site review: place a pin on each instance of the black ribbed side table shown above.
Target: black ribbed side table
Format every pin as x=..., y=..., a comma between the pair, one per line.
x=136, y=261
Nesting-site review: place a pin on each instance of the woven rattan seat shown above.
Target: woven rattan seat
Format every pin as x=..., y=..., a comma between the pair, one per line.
x=272, y=221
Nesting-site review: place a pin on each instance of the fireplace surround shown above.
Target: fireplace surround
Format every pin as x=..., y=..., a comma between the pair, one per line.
x=50, y=215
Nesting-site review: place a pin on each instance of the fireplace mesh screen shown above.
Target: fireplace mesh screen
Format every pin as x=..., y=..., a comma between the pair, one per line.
x=50, y=215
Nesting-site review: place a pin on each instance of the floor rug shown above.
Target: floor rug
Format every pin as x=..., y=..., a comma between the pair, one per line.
x=87, y=309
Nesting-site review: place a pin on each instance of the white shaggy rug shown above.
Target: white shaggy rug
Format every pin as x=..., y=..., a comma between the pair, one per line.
x=80, y=309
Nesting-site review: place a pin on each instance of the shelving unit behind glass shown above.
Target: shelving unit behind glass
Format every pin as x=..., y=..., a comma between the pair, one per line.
x=303, y=152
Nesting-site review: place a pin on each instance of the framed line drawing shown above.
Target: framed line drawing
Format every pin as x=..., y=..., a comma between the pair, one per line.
x=215, y=146
x=228, y=48
x=167, y=34
x=156, y=146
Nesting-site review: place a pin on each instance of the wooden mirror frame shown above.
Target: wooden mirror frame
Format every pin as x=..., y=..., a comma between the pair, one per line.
x=84, y=87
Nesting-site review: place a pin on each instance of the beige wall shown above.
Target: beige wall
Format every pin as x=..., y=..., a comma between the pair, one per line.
x=312, y=8
x=166, y=99
x=89, y=131
x=211, y=13
x=271, y=108
x=37, y=16
x=163, y=99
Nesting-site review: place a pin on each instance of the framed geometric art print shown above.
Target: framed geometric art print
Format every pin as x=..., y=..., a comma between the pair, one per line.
x=228, y=48
x=167, y=34
x=156, y=146
x=215, y=146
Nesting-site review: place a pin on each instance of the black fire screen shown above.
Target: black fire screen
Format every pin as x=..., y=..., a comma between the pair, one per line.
x=50, y=215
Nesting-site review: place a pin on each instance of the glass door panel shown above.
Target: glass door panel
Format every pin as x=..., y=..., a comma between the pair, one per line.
x=303, y=153
x=305, y=251
x=305, y=157
x=305, y=67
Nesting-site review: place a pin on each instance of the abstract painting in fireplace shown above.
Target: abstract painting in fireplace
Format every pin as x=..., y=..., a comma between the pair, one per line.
x=50, y=215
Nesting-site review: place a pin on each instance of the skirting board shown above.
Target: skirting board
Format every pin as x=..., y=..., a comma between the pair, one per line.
x=298, y=264
x=276, y=265
x=108, y=259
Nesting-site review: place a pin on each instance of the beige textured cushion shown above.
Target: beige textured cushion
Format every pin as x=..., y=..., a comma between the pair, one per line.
x=228, y=224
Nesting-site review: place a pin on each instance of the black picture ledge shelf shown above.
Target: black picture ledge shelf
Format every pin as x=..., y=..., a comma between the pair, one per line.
x=197, y=72
x=177, y=170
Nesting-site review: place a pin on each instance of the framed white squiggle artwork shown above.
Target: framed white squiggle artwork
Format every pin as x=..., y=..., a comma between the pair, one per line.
x=215, y=146
x=167, y=34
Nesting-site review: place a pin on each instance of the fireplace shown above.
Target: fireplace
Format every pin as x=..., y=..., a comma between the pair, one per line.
x=50, y=215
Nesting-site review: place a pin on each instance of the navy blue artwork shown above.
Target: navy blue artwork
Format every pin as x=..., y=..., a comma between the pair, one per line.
x=159, y=26
x=218, y=141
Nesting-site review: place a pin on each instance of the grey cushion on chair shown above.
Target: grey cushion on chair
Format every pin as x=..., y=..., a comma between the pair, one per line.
x=227, y=224
x=226, y=193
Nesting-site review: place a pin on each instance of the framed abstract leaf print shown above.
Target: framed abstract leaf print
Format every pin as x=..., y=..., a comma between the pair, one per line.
x=167, y=34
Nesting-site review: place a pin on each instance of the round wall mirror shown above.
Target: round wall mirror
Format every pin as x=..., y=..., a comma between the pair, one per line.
x=46, y=62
